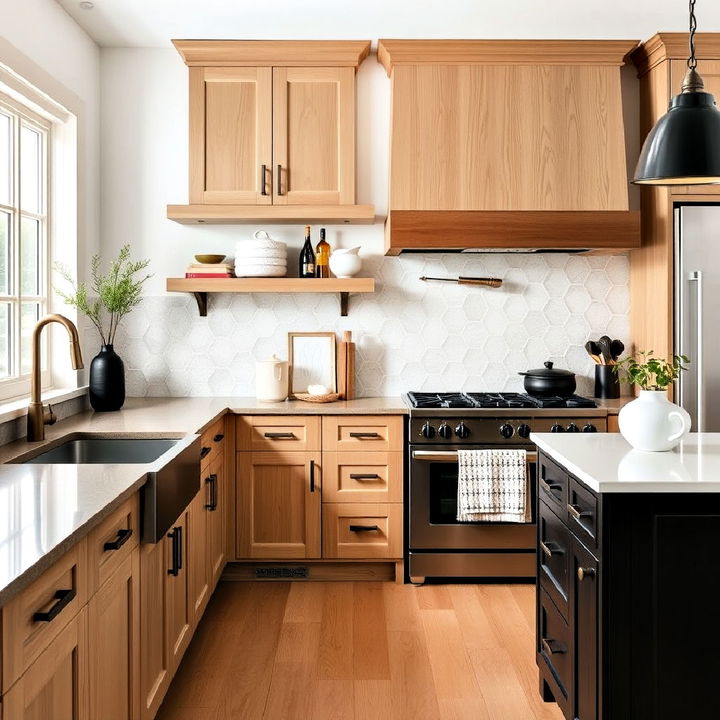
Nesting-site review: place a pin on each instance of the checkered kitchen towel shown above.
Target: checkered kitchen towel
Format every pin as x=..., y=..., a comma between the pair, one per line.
x=493, y=486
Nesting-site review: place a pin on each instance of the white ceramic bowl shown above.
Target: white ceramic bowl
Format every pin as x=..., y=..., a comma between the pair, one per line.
x=345, y=263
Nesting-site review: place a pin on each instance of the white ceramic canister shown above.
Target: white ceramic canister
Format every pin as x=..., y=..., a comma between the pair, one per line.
x=271, y=379
x=652, y=423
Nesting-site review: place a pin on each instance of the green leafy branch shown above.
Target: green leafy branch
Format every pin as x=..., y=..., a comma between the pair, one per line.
x=114, y=293
x=649, y=372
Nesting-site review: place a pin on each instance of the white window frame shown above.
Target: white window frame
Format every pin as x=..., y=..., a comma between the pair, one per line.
x=19, y=383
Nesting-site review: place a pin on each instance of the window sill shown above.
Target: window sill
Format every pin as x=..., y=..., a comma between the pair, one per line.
x=17, y=408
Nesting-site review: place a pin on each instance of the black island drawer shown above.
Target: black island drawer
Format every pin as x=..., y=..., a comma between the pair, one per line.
x=582, y=514
x=554, y=649
x=552, y=484
x=553, y=548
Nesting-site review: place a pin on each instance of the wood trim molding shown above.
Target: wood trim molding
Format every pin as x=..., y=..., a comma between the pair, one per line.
x=674, y=46
x=503, y=52
x=281, y=214
x=277, y=53
x=508, y=229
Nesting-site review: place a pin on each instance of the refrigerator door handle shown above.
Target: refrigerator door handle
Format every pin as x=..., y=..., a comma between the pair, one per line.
x=696, y=276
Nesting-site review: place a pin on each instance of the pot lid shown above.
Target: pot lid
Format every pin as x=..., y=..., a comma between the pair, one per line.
x=548, y=371
x=274, y=360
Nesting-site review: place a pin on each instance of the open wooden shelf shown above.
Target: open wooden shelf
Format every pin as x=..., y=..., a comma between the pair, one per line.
x=278, y=214
x=200, y=288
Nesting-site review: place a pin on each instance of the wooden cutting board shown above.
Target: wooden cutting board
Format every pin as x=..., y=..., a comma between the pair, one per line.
x=342, y=369
x=350, y=365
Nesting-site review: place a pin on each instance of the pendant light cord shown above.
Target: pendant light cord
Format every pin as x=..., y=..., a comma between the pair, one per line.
x=692, y=61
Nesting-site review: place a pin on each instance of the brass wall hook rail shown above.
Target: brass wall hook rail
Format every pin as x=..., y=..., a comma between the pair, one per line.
x=462, y=280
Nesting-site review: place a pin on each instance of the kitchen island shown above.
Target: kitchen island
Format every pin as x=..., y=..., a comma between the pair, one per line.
x=628, y=577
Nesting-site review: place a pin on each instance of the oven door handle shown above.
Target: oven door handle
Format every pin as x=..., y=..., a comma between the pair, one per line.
x=451, y=456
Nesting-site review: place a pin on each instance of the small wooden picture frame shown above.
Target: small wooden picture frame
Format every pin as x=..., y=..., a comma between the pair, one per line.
x=312, y=360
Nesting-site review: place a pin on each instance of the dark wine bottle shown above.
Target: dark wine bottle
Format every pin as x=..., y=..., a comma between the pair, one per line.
x=306, y=265
x=322, y=267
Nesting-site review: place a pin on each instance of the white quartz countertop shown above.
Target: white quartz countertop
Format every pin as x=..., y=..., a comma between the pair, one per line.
x=606, y=463
x=46, y=509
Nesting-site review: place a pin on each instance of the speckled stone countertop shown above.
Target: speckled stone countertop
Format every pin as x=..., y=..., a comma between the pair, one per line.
x=46, y=509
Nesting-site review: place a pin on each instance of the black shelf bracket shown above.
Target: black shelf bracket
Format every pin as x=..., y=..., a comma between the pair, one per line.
x=344, y=303
x=202, y=302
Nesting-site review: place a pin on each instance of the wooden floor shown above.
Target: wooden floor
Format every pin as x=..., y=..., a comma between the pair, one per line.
x=336, y=651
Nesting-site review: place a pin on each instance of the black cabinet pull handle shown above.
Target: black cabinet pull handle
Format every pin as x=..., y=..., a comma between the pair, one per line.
x=575, y=511
x=64, y=598
x=204, y=452
x=546, y=549
x=123, y=536
x=279, y=180
x=263, y=173
x=364, y=476
x=176, y=536
x=363, y=528
x=312, y=476
x=218, y=437
x=212, y=481
x=364, y=435
x=549, y=487
x=280, y=435
x=551, y=647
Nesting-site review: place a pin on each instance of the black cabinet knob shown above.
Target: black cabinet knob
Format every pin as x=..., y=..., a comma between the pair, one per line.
x=462, y=431
x=445, y=431
x=572, y=427
x=507, y=430
x=557, y=428
x=524, y=431
x=589, y=428
x=427, y=431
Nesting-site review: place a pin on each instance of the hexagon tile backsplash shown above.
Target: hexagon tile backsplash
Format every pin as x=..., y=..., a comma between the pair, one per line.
x=410, y=334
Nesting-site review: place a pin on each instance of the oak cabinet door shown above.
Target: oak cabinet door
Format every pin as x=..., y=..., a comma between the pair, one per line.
x=278, y=505
x=231, y=135
x=155, y=666
x=216, y=491
x=178, y=603
x=313, y=135
x=198, y=571
x=55, y=686
x=114, y=644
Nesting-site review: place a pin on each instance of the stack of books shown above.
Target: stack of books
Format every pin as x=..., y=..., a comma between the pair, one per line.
x=207, y=270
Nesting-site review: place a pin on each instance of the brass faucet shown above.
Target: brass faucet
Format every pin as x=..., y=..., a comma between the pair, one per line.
x=38, y=416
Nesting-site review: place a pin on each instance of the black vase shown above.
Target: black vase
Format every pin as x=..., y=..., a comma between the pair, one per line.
x=107, y=380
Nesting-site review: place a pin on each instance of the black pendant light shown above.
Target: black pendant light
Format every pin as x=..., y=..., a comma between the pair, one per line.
x=684, y=146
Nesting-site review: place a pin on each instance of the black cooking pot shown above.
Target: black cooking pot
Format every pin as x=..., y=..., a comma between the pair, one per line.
x=548, y=381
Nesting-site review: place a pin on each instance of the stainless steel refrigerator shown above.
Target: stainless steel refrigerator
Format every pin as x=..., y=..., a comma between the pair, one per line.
x=697, y=312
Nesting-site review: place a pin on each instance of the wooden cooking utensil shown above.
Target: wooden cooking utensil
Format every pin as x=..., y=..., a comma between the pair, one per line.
x=617, y=348
x=605, y=343
x=593, y=350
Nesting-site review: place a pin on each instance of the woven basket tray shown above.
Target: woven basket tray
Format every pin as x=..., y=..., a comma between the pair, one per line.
x=307, y=397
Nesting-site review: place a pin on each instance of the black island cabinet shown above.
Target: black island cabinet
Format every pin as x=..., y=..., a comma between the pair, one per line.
x=628, y=600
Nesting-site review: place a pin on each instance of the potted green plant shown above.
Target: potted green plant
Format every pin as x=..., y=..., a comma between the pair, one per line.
x=106, y=301
x=651, y=422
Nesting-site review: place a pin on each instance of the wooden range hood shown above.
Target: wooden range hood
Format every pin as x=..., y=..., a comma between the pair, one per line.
x=508, y=144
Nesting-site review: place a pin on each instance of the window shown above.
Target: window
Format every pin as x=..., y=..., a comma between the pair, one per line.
x=24, y=152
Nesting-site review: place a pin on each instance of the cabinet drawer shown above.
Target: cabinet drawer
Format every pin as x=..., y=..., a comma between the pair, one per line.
x=111, y=542
x=372, y=477
x=582, y=513
x=289, y=433
x=362, y=433
x=211, y=442
x=554, y=646
x=35, y=617
x=358, y=530
x=553, y=484
x=553, y=554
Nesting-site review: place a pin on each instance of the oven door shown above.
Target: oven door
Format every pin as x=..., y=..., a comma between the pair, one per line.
x=433, y=508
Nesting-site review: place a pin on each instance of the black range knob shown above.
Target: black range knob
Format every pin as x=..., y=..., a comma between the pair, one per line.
x=523, y=431
x=572, y=427
x=589, y=428
x=462, y=431
x=507, y=430
x=427, y=431
x=445, y=431
x=557, y=428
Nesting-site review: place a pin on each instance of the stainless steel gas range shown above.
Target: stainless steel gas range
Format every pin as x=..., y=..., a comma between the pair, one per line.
x=442, y=423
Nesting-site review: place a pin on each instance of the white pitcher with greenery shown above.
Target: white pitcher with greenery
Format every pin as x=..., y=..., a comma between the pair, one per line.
x=651, y=422
x=108, y=299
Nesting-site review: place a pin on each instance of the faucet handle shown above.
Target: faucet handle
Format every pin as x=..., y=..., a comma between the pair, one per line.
x=49, y=417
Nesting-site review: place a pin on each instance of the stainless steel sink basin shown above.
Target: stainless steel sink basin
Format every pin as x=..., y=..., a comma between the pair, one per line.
x=109, y=451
